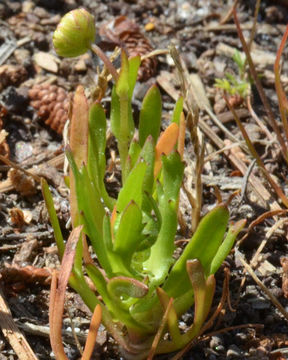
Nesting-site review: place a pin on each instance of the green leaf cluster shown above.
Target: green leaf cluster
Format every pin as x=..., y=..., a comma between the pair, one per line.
x=235, y=84
x=132, y=236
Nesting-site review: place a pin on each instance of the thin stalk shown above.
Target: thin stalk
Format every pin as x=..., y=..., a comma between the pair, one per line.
x=254, y=153
x=279, y=90
x=92, y=334
x=106, y=61
x=253, y=31
x=260, y=89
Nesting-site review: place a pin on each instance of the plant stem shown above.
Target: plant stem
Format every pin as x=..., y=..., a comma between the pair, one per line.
x=96, y=49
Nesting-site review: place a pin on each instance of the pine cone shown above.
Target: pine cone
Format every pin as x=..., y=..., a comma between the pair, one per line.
x=52, y=103
x=12, y=75
x=125, y=33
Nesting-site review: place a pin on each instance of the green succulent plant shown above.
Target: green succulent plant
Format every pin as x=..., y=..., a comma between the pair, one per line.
x=143, y=287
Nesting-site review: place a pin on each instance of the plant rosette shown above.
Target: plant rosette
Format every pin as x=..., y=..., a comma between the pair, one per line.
x=141, y=287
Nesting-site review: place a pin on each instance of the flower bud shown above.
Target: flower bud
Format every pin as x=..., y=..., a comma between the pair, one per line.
x=74, y=34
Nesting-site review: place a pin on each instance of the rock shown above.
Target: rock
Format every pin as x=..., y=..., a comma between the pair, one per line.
x=234, y=352
x=46, y=61
x=22, y=56
x=215, y=342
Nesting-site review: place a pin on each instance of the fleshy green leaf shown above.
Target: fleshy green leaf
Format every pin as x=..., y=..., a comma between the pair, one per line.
x=122, y=86
x=97, y=142
x=132, y=189
x=173, y=169
x=148, y=155
x=134, y=152
x=161, y=252
x=177, y=110
x=116, y=307
x=203, y=246
x=91, y=210
x=121, y=285
x=96, y=151
x=128, y=235
x=134, y=64
x=150, y=115
x=115, y=117
x=226, y=245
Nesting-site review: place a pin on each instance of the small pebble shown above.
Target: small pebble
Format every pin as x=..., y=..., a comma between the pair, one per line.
x=269, y=319
x=215, y=342
x=259, y=303
x=234, y=352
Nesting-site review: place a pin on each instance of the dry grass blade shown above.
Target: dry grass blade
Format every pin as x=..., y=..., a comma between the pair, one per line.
x=229, y=14
x=258, y=121
x=92, y=335
x=12, y=333
x=260, y=89
x=253, y=30
x=157, y=337
x=192, y=90
x=225, y=292
x=268, y=293
x=254, y=153
x=17, y=167
x=260, y=219
x=262, y=193
x=268, y=235
x=57, y=297
x=7, y=185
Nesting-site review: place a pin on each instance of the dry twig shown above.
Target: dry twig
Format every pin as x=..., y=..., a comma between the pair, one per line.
x=13, y=334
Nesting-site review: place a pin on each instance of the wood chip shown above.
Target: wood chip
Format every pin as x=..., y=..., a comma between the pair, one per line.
x=46, y=61
x=13, y=334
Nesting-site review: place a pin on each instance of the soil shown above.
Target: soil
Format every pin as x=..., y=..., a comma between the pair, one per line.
x=250, y=326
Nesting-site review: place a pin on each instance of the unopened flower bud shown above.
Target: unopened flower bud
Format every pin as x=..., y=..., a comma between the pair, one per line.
x=74, y=34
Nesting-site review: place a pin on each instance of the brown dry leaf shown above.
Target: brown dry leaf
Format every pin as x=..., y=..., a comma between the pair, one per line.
x=13, y=274
x=17, y=217
x=24, y=184
x=46, y=61
x=236, y=151
x=26, y=252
